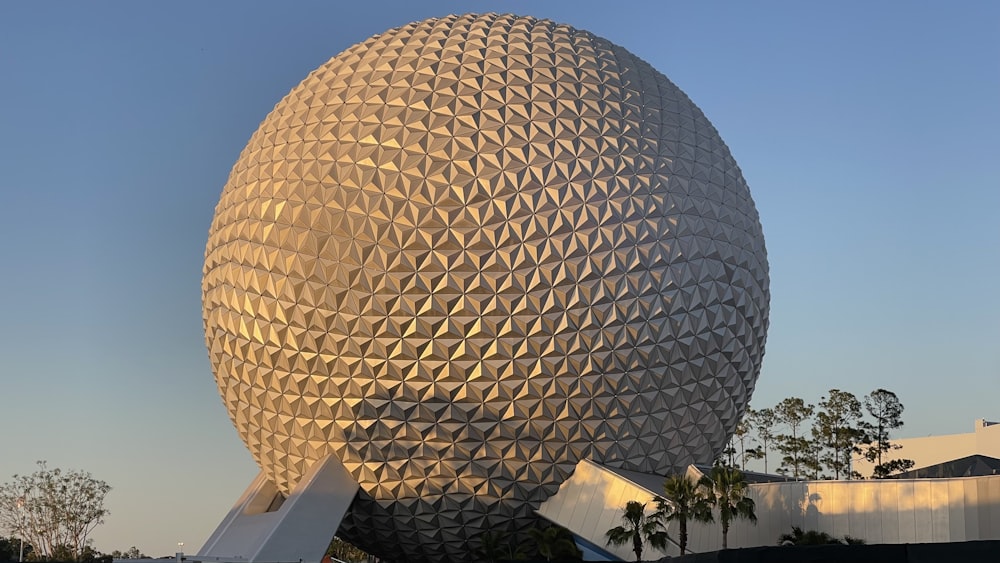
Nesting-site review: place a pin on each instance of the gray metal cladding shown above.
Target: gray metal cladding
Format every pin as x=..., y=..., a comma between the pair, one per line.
x=469, y=252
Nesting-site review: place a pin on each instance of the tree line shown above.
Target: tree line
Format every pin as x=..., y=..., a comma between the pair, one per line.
x=822, y=441
x=51, y=513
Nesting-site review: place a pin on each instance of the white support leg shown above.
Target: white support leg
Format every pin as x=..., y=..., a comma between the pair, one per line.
x=261, y=528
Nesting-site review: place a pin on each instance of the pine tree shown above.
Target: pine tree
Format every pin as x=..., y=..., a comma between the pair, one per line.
x=763, y=422
x=836, y=429
x=884, y=406
x=742, y=437
x=793, y=413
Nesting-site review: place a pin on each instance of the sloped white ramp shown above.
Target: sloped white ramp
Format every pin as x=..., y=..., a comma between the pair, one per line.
x=265, y=527
x=590, y=503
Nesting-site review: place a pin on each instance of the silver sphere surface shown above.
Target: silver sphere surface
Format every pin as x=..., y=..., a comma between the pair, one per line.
x=469, y=252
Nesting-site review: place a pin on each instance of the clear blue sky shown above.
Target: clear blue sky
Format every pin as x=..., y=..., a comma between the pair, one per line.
x=869, y=133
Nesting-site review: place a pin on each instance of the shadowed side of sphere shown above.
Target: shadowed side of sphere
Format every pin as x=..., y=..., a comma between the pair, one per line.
x=467, y=253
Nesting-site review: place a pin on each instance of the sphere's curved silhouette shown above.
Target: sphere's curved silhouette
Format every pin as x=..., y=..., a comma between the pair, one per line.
x=469, y=252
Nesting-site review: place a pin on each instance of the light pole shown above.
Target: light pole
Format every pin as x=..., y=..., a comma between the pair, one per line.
x=20, y=527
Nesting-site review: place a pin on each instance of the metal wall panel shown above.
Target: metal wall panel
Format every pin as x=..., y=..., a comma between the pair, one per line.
x=991, y=500
x=939, y=512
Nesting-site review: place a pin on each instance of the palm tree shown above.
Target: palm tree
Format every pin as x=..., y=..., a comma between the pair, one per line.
x=491, y=547
x=727, y=490
x=555, y=542
x=638, y=528
x=683, y=500
x=813, y=537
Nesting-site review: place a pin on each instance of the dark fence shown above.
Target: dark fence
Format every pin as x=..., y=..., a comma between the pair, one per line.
x=972, y=551
x=106, y=559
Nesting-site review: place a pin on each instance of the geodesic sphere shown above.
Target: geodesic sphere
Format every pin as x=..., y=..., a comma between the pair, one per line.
x=469, y=252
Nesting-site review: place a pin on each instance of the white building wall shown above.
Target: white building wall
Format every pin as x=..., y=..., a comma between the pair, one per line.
x=878, y=511
x=932, y=450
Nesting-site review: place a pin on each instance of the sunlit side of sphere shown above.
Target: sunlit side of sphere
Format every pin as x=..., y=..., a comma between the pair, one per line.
x=467, y=253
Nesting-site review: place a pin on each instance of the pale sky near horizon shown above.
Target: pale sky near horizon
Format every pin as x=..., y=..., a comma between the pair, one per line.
x=869, y=134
